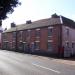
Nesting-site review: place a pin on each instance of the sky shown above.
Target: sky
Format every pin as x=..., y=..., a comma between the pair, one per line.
x=40, y=9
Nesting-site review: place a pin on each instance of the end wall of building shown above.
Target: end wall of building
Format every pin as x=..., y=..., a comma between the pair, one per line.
x=68, y=40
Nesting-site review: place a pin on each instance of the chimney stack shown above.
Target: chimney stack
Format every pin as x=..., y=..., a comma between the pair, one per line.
x=13, y=25
x=55, y=16
x=28, y=22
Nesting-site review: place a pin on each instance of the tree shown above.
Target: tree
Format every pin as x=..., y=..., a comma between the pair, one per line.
x=7, y=6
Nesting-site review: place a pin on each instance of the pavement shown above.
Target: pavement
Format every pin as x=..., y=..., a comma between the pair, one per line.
x=13, y=63
x=68, y=62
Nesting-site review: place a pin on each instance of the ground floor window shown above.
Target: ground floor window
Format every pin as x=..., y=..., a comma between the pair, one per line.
x=4, y=45
x=13, y=45
x=24, y=45
x=73, y=44
x=37, y=45
x=20, y=45
x=67, y=44
x=50, y=46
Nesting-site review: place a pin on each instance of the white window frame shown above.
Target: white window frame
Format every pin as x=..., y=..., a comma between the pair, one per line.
x=39, y=45
x=29, y=30
x=68, y=44
x=47, y=46
x=72, y=44
x=50, y=40
x=38, y=29
x=48, y=29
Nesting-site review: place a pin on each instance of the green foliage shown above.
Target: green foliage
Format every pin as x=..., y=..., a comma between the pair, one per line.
x=7, y=6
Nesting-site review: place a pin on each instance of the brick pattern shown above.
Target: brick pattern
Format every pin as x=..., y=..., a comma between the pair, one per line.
x=43, y=38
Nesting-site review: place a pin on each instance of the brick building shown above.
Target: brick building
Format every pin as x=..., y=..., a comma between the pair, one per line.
x=53, y=35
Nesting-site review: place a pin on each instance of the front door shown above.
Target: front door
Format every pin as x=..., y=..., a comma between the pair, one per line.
x=32, y=47
x=67, y=52
x=24, y=47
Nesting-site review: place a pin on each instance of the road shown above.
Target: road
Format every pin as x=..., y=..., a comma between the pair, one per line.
x=13, y=63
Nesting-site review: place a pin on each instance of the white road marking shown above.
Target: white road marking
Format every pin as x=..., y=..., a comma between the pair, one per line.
x=46, y=68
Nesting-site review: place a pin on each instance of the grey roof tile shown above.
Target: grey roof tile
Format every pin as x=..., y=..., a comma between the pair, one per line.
x=36, y=24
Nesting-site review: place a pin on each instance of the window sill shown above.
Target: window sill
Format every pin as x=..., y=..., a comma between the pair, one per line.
x=49, y=36
x=37, y=37
x=37, y=49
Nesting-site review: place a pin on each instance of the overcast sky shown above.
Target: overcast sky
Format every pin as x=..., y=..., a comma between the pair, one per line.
x=40, y=9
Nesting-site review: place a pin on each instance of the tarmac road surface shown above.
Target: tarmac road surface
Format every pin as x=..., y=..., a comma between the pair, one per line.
x=13, y=63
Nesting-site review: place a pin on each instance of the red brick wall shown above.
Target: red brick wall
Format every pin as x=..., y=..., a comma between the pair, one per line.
x=56, y=37
x=68, y=38
x=32, y=38
x=24, y=36
x=9, y=39
x=43, y=38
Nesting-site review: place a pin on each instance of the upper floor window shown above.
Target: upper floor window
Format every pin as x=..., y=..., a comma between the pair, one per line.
x=20, y=34
x=67, y=30
x=67, y=44
x=73, y=44
x=14, y=34
x=28, y=33
x=37, y=45
x=50, y=46
x=4, y=36
x=37, y=33
x=20, y=45
x=24, y=35
x=50, y=31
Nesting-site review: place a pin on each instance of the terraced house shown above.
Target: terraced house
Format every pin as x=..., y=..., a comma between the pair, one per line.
x=53, y=35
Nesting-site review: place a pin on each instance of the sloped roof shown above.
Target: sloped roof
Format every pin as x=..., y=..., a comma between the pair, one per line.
x=68, y=22
x=36, y=24
x=44, y=22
